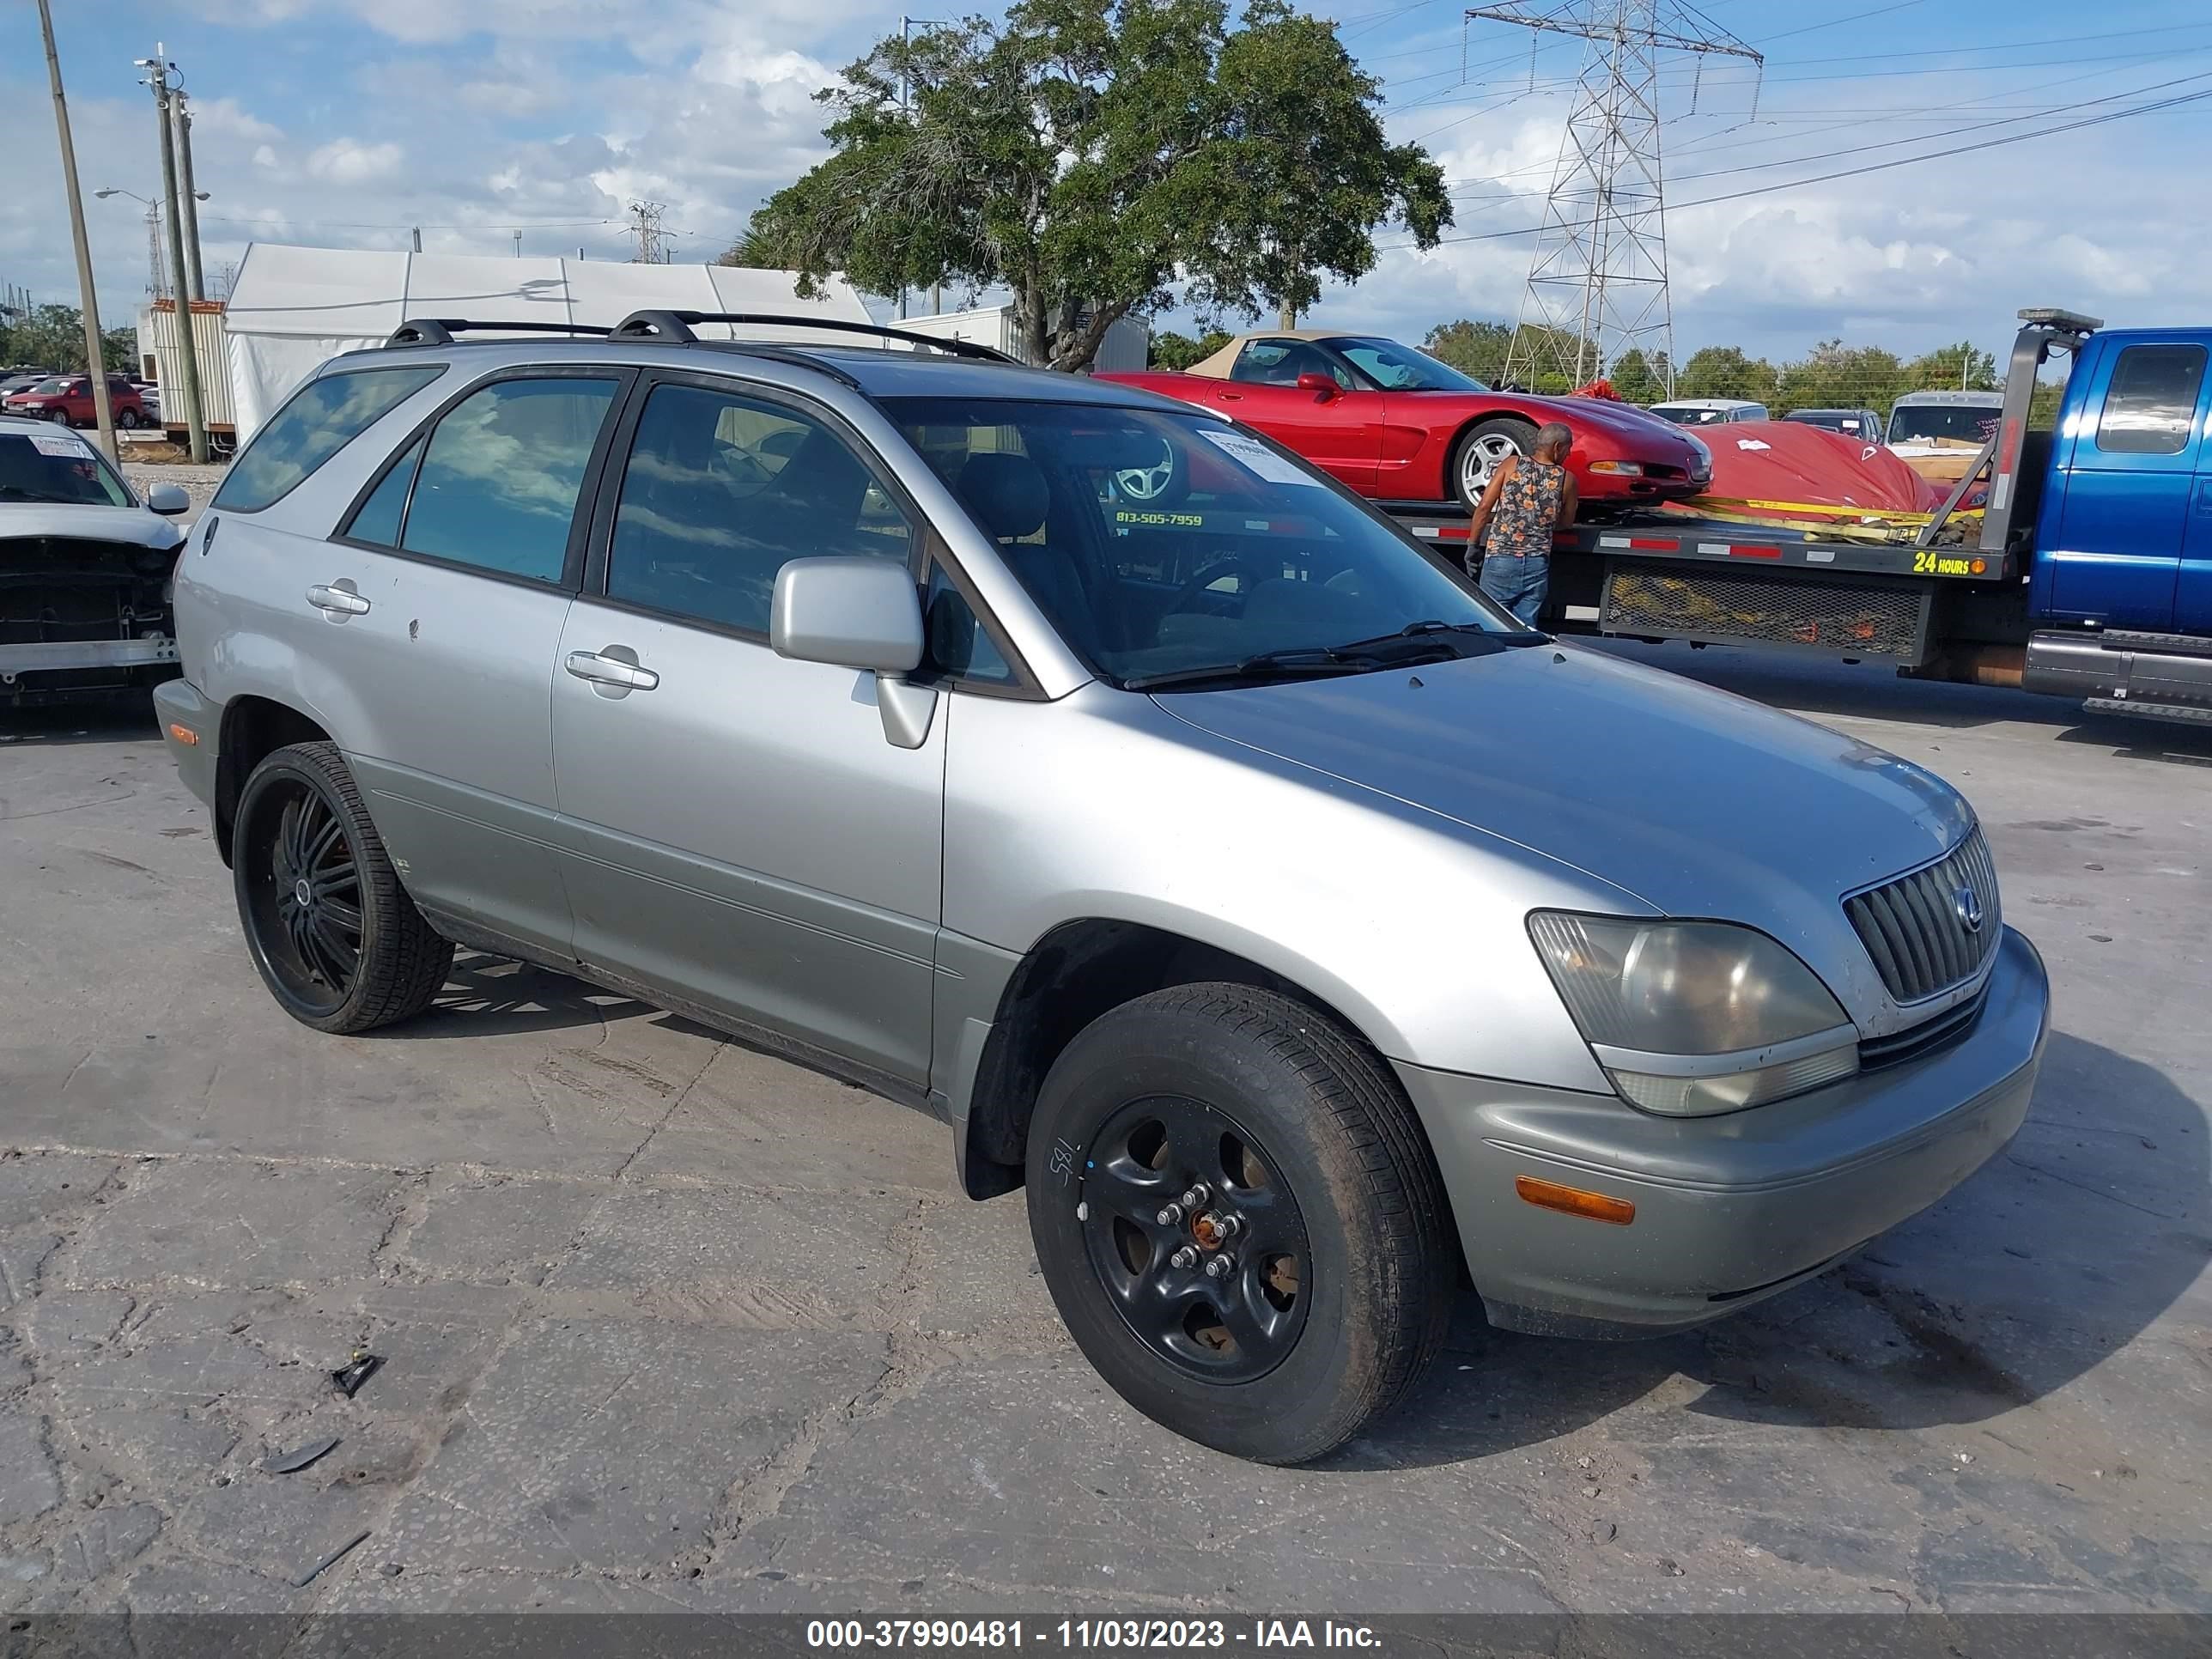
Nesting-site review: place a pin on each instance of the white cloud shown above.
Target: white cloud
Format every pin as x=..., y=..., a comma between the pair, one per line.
x=348, y=161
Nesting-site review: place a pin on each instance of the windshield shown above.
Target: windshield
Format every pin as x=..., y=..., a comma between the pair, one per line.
x=45, y=386
x=1964, y=423
x=1395, y=367
x=57, y=469
x=1163, y=544
x=1682, y=415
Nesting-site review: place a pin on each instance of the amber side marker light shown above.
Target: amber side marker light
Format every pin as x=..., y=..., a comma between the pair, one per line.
x=184, y=734
x=1573, y=1200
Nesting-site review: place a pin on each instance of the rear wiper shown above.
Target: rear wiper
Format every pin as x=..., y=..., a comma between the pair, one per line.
x=1317, y=660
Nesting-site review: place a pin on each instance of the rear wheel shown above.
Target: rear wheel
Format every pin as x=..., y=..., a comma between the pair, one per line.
x=1239, y=1219
x=127, y=418
x=1487, y=445
x=338, y=941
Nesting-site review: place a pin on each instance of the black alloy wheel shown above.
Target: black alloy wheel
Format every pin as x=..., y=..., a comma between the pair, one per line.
x=336, y=937
x=1196, y=1239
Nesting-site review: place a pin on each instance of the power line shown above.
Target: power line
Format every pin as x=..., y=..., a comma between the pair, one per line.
x=1877, y=166
x=1602, y=282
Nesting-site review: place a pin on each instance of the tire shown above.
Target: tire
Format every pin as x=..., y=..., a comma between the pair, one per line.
x=1343, y=1269
x=127, y=419
x=59, y=417
x=1481, y=447
x=301, y=824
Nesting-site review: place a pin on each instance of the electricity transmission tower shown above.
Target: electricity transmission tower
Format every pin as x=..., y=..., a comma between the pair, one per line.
x=1597, y=282
x=645, y=225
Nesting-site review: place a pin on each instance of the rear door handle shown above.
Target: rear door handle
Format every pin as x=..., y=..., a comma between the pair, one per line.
x=338, y=598
x=602, y=669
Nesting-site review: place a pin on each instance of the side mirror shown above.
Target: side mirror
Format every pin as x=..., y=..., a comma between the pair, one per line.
x=1324, y=384
x=853, y=612
x=168, y=500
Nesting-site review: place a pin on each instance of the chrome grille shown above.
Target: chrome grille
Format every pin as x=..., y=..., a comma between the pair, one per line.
x=1915, y=928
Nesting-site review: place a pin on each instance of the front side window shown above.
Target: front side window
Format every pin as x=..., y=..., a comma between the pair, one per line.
x=319, y=420
x=498, y=483
x=721, y=491
x=1160, y=545
x=1395, y=367
x=2151, y=408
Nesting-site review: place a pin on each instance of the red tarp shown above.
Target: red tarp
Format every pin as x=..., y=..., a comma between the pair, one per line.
x=1771, y=461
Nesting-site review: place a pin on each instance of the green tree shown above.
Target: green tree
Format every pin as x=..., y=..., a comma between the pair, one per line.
x=1089, y=155
x=1726, y=372
x=53, y=337
x=1179, y=352
x=1472, y=348
x=1639, y=379
x=119, y=349
x=1838, y=376
x=1961, y=368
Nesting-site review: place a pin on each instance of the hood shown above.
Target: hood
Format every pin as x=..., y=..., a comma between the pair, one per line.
x=132, y=525
x=1697, y=801
x=1623, y=422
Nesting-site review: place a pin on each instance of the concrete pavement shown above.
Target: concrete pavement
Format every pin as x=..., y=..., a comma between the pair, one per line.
x=665, y=1324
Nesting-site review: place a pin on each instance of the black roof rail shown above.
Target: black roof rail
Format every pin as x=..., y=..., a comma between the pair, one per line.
x=441, y=330
x=675, y=328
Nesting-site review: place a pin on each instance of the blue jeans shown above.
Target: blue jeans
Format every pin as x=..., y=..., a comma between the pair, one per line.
x=1518, y=583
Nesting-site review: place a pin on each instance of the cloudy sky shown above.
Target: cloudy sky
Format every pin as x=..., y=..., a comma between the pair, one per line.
x=345, y=123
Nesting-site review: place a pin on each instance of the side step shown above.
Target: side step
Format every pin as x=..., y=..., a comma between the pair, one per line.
x=2149, y=711
x=2156, y=676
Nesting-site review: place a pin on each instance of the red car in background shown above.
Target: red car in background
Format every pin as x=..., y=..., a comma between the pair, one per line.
x=1397, y=425
x=67, y=400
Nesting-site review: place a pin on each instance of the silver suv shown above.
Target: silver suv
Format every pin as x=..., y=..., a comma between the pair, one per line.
x=1299, y=930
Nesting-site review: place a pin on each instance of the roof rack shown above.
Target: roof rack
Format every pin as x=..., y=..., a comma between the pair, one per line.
x=441, y=330
x=675, y=328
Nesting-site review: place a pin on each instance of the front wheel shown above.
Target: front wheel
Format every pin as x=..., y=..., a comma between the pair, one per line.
x=338, y=941
x=1239, y=1219
x=1487, y=447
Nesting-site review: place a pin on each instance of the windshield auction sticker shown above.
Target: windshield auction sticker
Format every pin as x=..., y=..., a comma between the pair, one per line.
x=1257, y=458
x=61, y=444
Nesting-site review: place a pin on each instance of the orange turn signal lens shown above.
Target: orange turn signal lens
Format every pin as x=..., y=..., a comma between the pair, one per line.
x=184, y=734
x=1573, y=1200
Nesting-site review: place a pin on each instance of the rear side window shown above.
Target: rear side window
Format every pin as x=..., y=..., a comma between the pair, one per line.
x=319, y=420
x=497, y=486
x=2152, y=404
x=377, y=520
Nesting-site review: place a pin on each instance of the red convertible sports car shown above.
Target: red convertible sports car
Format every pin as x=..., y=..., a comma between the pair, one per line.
x=1397, y=425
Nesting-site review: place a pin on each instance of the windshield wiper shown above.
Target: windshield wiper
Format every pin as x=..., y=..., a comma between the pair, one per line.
x=1315, y=660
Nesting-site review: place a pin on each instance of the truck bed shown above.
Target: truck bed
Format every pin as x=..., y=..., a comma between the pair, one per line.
x=1667, y=576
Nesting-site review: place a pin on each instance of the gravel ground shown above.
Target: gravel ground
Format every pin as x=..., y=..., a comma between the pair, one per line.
x=199, y=481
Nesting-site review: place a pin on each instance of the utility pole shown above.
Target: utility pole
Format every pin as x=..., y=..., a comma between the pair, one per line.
x=189, y=198
x=157, y=67
x=1598, y=278
x=95, y=364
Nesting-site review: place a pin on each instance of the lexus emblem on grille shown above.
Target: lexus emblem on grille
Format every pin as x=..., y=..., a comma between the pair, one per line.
x=1967, y=903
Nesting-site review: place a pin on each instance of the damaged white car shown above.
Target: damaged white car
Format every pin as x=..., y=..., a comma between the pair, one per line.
x=85, y=569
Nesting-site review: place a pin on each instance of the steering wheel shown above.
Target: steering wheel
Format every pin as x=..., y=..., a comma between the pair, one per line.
x=1188, y=594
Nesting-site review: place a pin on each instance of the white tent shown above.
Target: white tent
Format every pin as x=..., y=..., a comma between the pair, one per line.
x=291, y=308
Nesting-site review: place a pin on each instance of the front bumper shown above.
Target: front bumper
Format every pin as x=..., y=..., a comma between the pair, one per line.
x=1729, y=1209
x=192, y=727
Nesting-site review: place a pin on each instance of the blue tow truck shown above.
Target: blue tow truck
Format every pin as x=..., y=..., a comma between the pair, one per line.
x=2088, y=574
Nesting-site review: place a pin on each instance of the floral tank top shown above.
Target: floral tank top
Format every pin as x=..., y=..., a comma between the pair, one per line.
x=1528, y=509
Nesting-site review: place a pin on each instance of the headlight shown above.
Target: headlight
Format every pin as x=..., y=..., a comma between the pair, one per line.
x=1691, y=1018
x=1705, y=466
x=1631, y=469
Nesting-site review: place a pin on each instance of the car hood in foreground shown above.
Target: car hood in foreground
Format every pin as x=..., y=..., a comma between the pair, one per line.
x=1697, y=801
x=133, y=525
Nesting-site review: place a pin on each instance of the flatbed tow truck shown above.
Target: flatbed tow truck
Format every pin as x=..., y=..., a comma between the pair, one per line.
x=2087, y=573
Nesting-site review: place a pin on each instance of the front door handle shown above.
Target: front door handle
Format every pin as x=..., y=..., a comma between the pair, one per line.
x=605, y=668
x=1230, y=397
x=337, y=598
